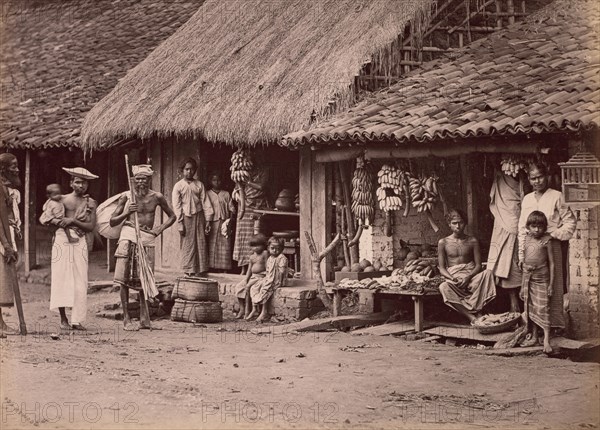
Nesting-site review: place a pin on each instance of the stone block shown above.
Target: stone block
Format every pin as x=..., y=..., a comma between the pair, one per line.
x=294, y=303
x=300, y=314
x=298, y=293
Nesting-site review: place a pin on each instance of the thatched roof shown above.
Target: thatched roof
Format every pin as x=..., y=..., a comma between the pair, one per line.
x=59, y=58
x=538, y=76
x=248, y=72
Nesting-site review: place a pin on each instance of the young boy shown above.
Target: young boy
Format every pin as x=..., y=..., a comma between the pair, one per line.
x=255, y=273
x=262, y=292
x=538, y=278
x=54, y=212
x=467, y=289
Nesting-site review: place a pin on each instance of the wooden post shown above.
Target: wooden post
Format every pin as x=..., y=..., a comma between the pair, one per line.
x=29, y=219
x=419, y=318
x=467, y=188
x=305, y=180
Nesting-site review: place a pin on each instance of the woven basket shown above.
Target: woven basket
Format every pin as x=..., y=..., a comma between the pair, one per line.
x=497, y=328
x=196, y=312
x=196, y=290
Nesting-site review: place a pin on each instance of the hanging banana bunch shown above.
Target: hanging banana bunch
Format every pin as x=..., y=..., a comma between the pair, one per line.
x=423, y=192
x=241, y=165
x=512, y=165
x=363, y=200
x=391, y=185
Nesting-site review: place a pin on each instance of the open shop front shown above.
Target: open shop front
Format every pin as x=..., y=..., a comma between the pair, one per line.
x=398, y=198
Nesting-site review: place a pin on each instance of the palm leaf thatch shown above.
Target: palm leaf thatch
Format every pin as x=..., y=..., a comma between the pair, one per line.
x=245, y=73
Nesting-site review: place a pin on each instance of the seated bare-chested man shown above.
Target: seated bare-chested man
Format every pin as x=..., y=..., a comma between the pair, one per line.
x=467, y=289
x=125, y=271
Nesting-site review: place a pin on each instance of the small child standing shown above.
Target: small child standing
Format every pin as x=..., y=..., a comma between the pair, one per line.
x=262, y=291
x=54, y=211
x=538, y=278
x=255, y=273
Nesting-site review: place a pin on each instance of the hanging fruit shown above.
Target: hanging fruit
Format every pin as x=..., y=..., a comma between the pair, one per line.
x=424, y=194
x=363, y=200
x=512, y=165
x=241, y=165
x=391, y=184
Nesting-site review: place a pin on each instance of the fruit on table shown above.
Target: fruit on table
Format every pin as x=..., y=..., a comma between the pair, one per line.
x=356, y=267
x=403, y=253
x=365, y=263
x=377, y=264
x=345, y=269
x=369, y=269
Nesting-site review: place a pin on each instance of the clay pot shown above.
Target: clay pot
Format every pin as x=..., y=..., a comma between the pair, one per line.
x=285, y=200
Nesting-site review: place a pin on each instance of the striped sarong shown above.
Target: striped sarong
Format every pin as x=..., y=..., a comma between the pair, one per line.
x=194, y=257
x=245, y=230
x=219, y=247
x=535, y=295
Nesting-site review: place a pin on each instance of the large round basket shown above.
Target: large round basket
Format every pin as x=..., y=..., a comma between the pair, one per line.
x=197, y=312
x=497, y=328
x=196, y=289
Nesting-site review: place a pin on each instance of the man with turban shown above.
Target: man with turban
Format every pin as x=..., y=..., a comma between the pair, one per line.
x=126, y=270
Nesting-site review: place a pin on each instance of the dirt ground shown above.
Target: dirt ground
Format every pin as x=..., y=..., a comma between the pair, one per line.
x=223, y=376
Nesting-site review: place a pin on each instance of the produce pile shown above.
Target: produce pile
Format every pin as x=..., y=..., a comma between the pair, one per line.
x=425, y=267
x=491, y=320
x=363, y=199
x=365, y=266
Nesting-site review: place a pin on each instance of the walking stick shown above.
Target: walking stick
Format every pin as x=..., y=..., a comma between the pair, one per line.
x=145, y=271
x=19, y=306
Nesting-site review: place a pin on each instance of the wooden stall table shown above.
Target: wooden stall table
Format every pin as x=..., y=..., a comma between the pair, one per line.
x=368, y=298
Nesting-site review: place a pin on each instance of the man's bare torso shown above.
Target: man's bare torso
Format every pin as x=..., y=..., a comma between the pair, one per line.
x=459, y=251
x=72, y=202
x=146, y=208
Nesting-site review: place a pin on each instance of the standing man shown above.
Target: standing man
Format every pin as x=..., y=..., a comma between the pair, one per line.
x=194, y=217
x=561, y=226
x=69, y=266
x=503, y=259
x=126, y=271
x=9, y=176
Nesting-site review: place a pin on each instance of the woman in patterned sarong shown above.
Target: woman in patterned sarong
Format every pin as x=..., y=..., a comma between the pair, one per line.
x=219, y=244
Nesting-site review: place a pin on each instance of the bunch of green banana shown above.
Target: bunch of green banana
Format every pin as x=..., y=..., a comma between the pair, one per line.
x=423, y=192
x=511, y=165
x=391, y=184
x=422, y=266
x=241, y=164
x=363, y=201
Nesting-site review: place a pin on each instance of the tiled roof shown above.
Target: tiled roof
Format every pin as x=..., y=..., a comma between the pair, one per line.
x=541, y=75
x=61, y=58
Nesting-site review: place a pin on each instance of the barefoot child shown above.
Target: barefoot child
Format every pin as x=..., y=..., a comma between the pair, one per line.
x=262, y=291
x=256, y=272
x=538, y=278
x=54, y=211
x=467, y=289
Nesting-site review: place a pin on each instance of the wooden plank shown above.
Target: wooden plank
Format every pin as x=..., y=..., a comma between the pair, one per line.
x=396, y=327
x=464, y=332
x=29, y=207
x=304, y=183
x=324, y=324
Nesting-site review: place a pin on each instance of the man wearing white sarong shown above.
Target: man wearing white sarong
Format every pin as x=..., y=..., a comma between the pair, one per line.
x=69, y=266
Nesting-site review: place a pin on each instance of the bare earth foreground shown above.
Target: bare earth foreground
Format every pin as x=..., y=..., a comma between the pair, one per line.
x=223, y=376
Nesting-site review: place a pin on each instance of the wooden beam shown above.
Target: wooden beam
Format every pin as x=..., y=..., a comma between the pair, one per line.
x=30, y=218
x=375, y=151
x=304, y=183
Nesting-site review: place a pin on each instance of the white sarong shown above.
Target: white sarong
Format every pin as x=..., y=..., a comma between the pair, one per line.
x=69, y=277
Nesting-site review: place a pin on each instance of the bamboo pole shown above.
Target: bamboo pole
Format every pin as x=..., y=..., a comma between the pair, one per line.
x=339, y=215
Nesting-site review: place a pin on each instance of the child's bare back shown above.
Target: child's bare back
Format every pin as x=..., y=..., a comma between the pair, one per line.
x=258, y=262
